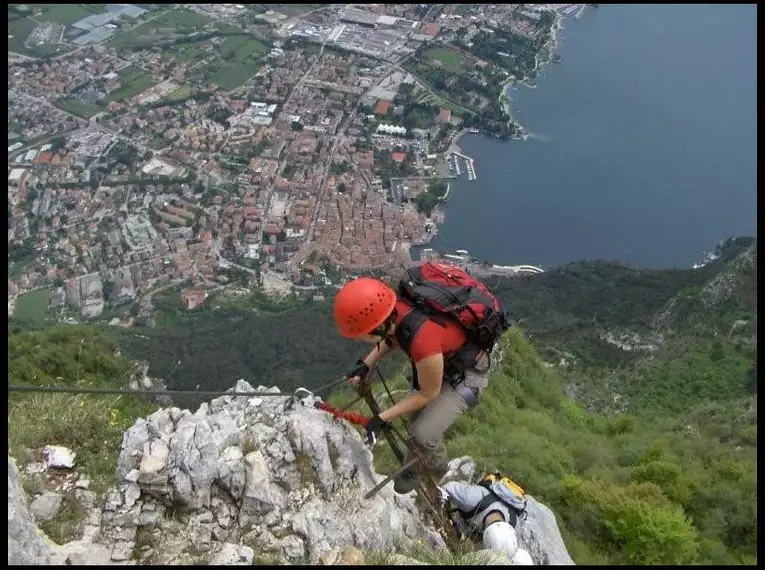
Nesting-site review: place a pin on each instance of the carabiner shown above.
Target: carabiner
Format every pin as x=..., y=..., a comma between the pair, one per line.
x=306, y=398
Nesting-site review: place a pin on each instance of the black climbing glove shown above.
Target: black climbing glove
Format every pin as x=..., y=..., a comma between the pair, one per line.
x=361, y=370
x=374, y=427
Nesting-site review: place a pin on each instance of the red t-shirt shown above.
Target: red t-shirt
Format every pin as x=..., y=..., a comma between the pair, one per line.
x=432, y=338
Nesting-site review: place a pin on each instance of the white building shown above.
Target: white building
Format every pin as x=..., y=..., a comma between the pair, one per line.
x=391, y=129
x=15, y=176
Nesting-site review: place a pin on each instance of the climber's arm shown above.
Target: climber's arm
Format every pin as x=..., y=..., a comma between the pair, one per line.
x=464, y=495
x=380, y=351
x=430, y=371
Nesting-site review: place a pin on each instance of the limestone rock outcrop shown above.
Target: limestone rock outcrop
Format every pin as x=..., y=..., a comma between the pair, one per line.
x=26, y=543
x=243, y=480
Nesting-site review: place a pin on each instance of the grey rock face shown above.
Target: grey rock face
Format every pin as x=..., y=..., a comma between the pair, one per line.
x=460, y=469
x=26, y=545
x=540, y=536
x=244, y=475
x=45, y=507
x=289, y=483
x=233, y=555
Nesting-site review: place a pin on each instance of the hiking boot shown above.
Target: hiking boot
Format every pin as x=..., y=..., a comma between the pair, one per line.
x=439, y=471
x=406, y=482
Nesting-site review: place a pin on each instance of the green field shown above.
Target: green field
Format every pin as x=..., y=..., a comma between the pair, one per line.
x=445, y=59
x=292, y=9
x=241, y=59
x=133, y=81
x=32, y=306
x=20, y=28
x=67, y=14
x=79, y=108
x=179, y=94
x=172, y=25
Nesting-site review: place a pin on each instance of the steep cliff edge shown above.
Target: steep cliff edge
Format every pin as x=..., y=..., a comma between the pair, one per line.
x=242, y=479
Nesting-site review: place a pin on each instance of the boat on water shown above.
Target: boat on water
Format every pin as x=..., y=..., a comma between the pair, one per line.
x=462, y=252
x=474, y=131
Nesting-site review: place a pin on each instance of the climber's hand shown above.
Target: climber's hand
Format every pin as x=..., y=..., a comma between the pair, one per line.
x=358, y=374
x=374, y=427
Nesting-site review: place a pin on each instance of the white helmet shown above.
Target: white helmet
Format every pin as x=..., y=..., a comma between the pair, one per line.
x=521, y=558
x=501, y=536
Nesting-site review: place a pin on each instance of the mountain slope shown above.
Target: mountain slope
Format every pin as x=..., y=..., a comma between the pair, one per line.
x=638, y=427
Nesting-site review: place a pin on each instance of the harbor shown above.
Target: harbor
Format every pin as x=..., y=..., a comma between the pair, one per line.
x=463, y=259
x=453, y=162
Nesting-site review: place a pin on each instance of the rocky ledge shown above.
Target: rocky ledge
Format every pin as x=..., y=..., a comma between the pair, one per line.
x=244, y=479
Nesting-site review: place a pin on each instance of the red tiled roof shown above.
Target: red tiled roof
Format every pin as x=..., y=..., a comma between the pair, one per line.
x=431, y=29
x=398, y=156
x=382, y=107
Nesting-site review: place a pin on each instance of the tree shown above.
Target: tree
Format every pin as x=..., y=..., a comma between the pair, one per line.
x=425, y=203
x=341, y=187
x=108, y=288
x=438, y=188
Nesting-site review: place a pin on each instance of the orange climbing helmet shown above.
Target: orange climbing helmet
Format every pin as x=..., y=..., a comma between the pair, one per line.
x=363, y=305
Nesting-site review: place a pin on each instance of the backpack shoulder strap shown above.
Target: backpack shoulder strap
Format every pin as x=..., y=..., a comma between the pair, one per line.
x=485, y=503
x=408, y=327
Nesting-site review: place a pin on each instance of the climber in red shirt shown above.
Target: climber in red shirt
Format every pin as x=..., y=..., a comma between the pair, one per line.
x=446, y=379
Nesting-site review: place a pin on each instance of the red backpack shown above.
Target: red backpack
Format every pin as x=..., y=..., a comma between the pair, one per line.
x=438, y=291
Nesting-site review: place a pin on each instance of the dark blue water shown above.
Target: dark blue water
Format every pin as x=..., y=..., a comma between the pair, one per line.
x=645, y=146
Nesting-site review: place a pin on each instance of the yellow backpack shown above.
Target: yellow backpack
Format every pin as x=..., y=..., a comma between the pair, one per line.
x=506, y=490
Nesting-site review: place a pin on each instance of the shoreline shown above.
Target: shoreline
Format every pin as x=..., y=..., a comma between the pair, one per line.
x=551, y=46
x=539, y=65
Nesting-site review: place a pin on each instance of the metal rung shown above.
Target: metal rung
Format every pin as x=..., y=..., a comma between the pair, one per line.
x=388, y=479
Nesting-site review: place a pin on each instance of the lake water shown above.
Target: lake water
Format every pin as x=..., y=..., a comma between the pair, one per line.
x=644, y=149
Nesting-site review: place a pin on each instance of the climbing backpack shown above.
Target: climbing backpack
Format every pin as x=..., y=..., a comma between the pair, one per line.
x=437, y=291
x=503, y=489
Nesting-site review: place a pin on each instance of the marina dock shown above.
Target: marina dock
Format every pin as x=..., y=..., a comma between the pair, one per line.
x=470, y=165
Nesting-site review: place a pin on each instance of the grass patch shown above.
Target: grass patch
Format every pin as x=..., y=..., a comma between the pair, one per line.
x=228, y=76
x=445, y=59
x=290, y=10
x=172, y=25
x=240, y=48
x=32, y=306
x=18, y=31
x=20, y=267
x=79, y=108
x=90, y=425
x=32, y=483
x=66, y=14
x=67, y=524
x=180, y=94
x=241, y=53
x=306, y=470
x=465, y=556
x=133, y=80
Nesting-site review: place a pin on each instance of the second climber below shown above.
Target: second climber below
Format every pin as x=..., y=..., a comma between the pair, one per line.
x=450, y=362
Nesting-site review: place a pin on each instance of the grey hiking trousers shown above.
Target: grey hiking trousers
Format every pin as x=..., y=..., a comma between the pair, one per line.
x=428, y=425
